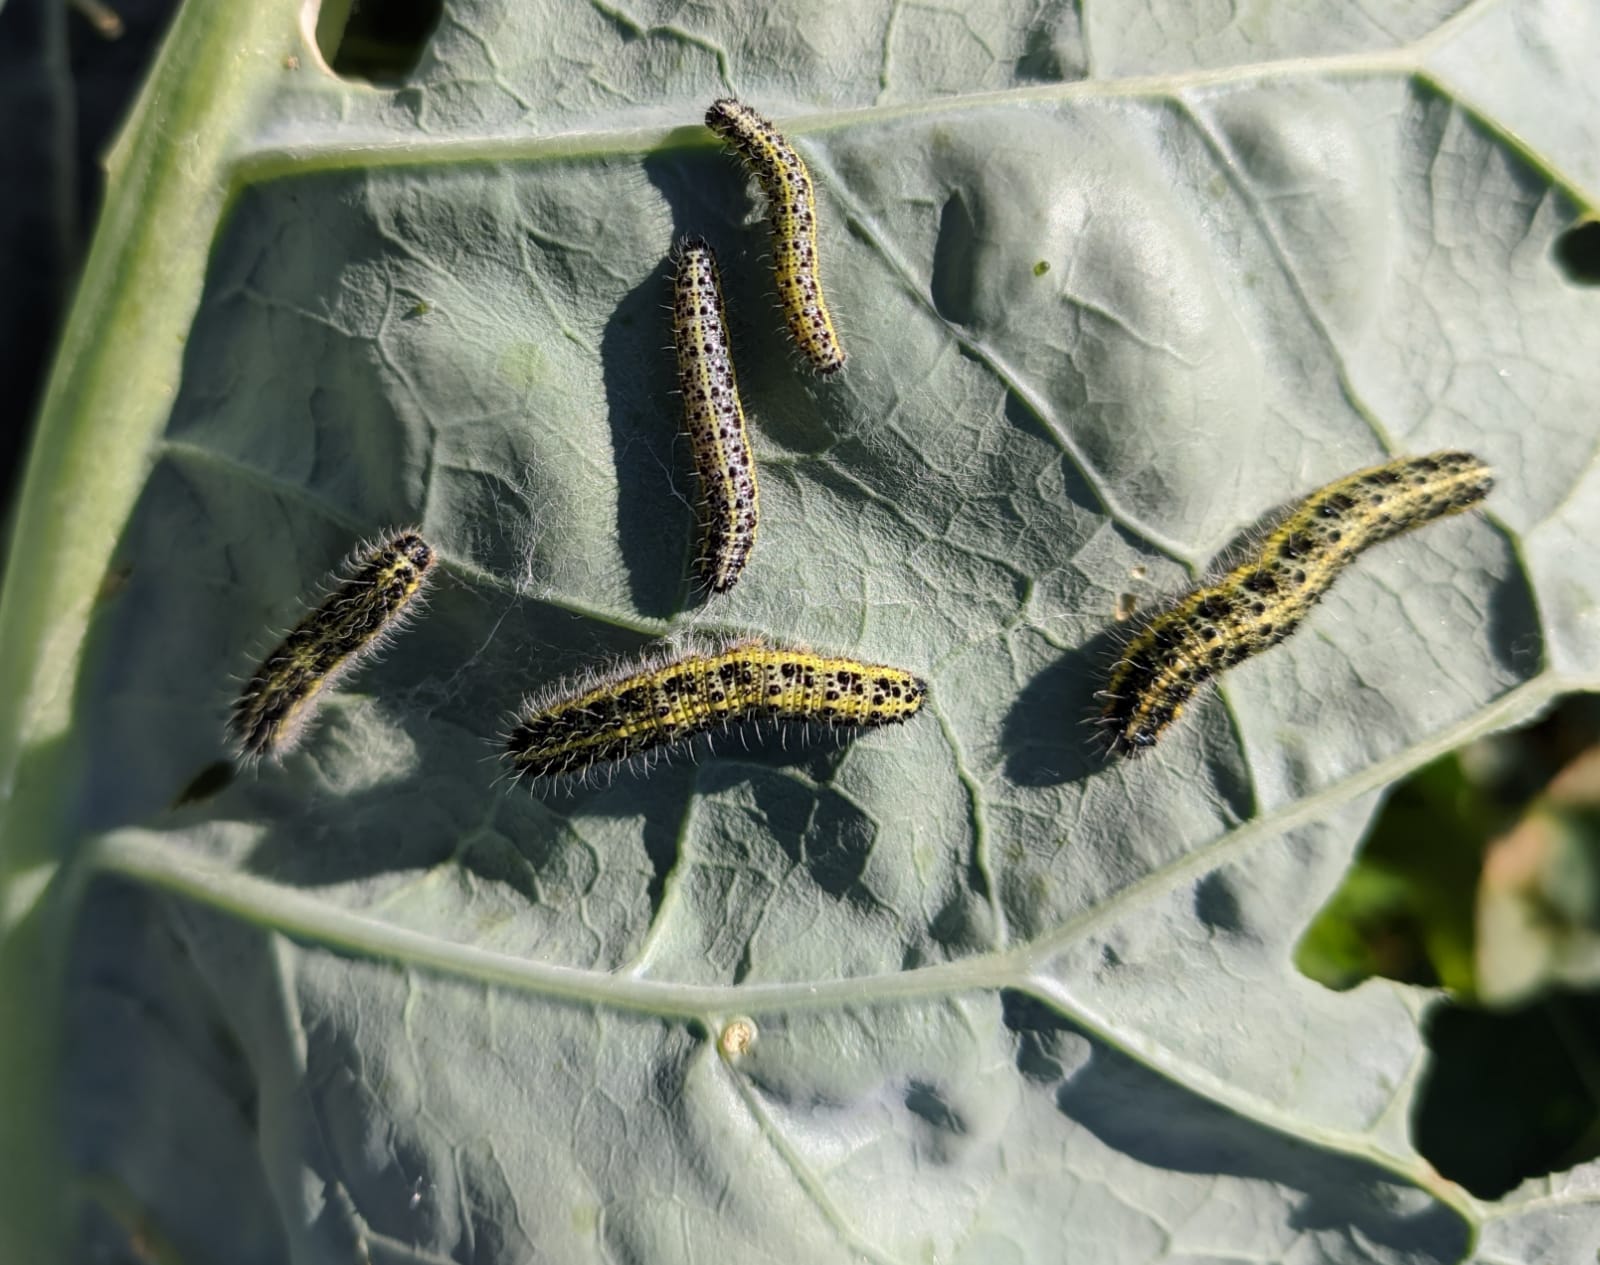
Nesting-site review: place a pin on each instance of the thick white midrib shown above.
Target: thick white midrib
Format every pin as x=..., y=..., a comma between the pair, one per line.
x=1205, y=1084
x=1509, y=709
x=270, y=161
x=305, y=916
x=273, y=160
x=300, y=915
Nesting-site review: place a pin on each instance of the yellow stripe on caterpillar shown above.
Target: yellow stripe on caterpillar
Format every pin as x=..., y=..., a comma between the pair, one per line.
x=1263, y=599
x=380, y=586
x=792, y=216
x=729, y=502
x=650, y=706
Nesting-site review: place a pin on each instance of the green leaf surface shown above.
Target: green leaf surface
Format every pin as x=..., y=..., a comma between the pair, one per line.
x=1011, y=1002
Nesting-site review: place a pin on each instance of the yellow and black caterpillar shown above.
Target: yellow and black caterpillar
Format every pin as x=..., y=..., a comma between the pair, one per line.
x=1263, y=599
x=380, y=587
x=730, y=506
x=792, y=216
x=655, y=705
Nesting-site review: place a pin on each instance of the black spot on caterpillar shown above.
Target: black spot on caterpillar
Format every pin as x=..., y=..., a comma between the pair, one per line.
x=380, y=585
x=729, y=504
x=650, y=706
x=1263, y=599
x=792, y=216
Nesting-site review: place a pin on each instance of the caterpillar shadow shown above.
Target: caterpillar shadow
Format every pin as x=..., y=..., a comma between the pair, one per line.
x=1164, y=1125
x=535, y=835
x=655, y=524
x=1049, y=735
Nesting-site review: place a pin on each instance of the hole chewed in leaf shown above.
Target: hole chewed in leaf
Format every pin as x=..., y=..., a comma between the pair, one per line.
x=1509, y=1095
x=380, y=41
x=953, y=263
x=1577, y=253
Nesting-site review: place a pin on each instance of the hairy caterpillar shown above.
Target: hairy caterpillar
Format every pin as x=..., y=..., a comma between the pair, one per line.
x=372, y=601
x=729, y=503
x=792, y=215
x=1264, y=598
x=650, y=706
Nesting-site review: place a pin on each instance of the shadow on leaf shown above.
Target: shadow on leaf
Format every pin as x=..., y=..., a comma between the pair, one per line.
x=655, y=525
x=1162, y=1124
x=1510, y=1095
x=1049, y=734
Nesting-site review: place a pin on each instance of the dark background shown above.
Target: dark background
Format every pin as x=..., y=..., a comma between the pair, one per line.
x=64, y=88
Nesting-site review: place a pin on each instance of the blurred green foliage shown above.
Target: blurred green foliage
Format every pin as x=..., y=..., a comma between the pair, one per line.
x=1482, y=875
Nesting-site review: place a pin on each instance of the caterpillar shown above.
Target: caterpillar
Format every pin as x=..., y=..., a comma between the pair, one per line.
x=381, y=584
x=729, y=502
x=1263, y=599
x=651, y=706
x=792, y=216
